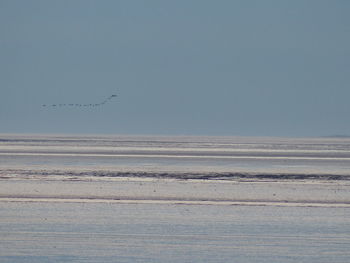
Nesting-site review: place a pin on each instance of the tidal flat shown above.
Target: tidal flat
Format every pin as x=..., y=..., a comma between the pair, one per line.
x=174, y=199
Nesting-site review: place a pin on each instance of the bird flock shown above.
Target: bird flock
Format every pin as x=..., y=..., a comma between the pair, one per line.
x=81, y=105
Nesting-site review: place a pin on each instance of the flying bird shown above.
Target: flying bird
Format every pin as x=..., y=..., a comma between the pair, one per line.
x=81, y=105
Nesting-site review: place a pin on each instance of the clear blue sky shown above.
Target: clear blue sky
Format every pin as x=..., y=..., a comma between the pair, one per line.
x=269, y=68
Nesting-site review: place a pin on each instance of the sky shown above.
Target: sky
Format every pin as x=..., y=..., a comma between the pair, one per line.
x=185, y=67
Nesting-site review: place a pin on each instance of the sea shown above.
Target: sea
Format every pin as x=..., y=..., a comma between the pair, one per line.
x=79, y=157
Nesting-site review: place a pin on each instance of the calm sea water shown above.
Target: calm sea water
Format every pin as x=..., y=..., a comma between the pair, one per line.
x=181, y=156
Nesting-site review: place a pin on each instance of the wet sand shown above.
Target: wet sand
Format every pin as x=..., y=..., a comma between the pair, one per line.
x=297, y=193
x=155, y=232
x=162, y=220
x=135, y=199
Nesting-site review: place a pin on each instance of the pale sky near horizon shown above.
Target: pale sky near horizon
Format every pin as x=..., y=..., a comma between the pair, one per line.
x=185, y=67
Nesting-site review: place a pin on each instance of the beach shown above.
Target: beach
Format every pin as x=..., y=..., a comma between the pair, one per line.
x=137, y=232
x=174, y=199
x=172, y=191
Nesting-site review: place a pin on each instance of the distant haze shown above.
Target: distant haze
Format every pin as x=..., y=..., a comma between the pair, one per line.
x=255, y=68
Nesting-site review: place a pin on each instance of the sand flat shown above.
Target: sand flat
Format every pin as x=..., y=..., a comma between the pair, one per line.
x=167, y=199
x=155, y=232
x=170, y=190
